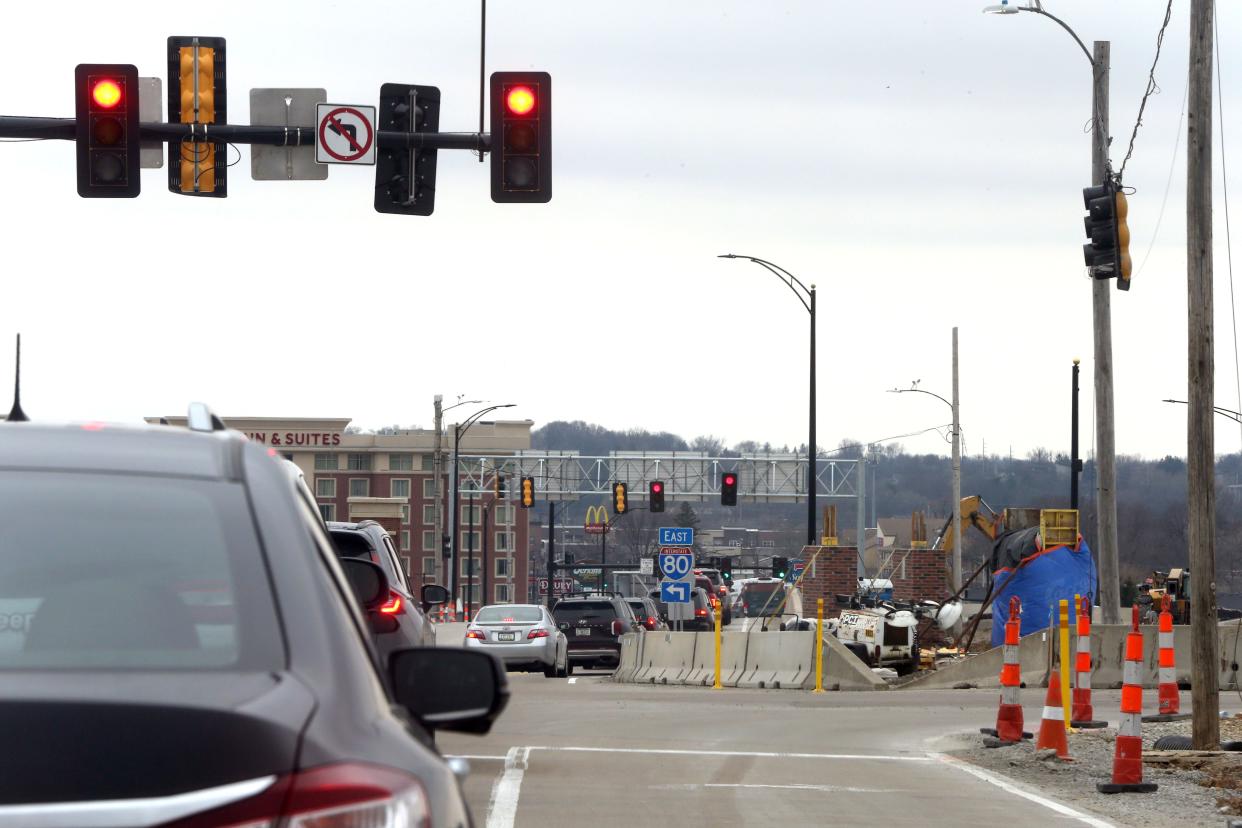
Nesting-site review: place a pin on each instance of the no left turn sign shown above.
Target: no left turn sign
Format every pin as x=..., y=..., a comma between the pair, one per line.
x=345, y=134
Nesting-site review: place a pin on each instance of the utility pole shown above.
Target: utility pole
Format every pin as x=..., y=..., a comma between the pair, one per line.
x=551, y=553
x=812, y=484
x=437, y=469
x=1101, y=313
x=957, y=473
x=1075, y=462
x=1200, y=453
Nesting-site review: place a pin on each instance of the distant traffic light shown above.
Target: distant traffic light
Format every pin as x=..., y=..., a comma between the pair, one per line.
x=405, y=179
x=619, y=498
x=528, y=492
x=1108, y=252
x=446, y=547
x=728, y=489
x=780, y=567
x=726, y=569
x=107, y=131
x=655, y=495
x=197, y=95
x=498, y=485
x=521, y=108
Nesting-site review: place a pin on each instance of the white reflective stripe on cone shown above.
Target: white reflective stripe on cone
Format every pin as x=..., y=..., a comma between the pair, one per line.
x=1084, y=644
x=1166, y=641
x=1010, y=695
x=1130, y=673
x=1168, y=675
x=1010, y=652
x=1084, y=681
x=1051, y=712
x=1131, y=725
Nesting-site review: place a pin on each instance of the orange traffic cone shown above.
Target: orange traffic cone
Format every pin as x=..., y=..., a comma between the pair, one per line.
x=1009, y=715
x=1082, y=714
x=1128, y=753
x=1052, y=725
x=1170, y=696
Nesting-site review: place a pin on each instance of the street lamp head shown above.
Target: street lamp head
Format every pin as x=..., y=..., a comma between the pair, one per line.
x=726, y=256
x=1002, y=8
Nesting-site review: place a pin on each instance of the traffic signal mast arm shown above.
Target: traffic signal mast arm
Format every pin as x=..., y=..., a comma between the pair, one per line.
x=17, y=126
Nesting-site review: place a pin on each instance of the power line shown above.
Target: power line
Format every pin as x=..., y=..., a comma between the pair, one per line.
x=1152, y=88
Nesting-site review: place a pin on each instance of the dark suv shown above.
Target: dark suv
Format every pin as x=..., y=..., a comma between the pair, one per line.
x=647, y=613
x=594, y=622
x=399, y=621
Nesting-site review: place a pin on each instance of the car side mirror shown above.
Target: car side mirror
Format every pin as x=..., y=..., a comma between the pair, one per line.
x=433, y=595
x=367, y=581
x=449, y=688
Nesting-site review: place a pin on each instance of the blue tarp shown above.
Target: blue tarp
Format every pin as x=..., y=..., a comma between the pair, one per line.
x=1040, y=583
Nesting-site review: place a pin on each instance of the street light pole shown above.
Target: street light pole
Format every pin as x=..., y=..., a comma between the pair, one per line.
x=459, y=429
x=806, y=295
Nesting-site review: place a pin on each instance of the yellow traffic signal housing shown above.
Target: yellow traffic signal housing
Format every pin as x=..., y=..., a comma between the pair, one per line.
x=1122, y=210
x=196, y=95
x=528, y=492
x=619, y=497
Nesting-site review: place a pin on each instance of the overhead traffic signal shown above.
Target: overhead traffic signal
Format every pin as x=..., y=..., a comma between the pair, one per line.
x=619, y=498
x=405, y=179
x=1108, y=252
x=780, y=567
x=107, y=131
x=499, y=487
x=726, y=569
x=528, y=492
x=655, y=495
x=728, y=489
x=197, y=95
x=521, y=109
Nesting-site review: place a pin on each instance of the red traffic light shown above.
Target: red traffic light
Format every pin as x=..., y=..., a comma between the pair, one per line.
x=520, y=100
x=729, y=480
x=106, y=93
x=657, y=487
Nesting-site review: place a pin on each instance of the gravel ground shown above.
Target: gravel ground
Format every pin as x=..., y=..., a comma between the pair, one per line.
x=1185, y=796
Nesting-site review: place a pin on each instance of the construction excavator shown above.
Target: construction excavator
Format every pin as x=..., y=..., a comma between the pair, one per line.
x=1055, y=525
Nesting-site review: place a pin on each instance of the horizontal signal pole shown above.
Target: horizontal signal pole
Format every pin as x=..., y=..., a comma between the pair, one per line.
x=276, y=136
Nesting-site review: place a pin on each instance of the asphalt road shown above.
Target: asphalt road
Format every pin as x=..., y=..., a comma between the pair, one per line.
x=586, y=751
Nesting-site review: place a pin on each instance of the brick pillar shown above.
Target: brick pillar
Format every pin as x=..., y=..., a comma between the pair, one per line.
x=835, y=573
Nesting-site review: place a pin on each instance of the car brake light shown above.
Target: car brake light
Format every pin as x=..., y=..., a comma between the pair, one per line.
x=392, y=606
x=537, y=634
x=651, y=622
x=701, y=613
x=331, y=796
x=617, y=627
x=475, y=634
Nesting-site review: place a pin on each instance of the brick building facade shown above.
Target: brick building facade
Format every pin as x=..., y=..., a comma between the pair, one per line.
x=917, y=574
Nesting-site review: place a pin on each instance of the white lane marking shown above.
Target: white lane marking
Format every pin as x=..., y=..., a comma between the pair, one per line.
x=756, y=754
x=473, y=757
x=573, y=681
x=1009, y=787
x=502, y=807
x=694, y=786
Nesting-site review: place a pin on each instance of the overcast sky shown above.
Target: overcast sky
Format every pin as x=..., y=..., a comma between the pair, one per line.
x=920, y=162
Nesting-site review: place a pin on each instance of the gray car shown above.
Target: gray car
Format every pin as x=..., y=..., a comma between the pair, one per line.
x=523, y=636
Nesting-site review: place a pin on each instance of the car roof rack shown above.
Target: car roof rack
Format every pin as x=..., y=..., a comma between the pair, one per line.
x=201, y=418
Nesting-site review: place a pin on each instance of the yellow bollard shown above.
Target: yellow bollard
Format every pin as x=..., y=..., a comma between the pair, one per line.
x=1065, y=676
x=718, y=685
x=819, y=646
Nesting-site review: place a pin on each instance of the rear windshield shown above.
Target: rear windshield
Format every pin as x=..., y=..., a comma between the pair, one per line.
x=131, y=572
x=584, y=611
x=757, y=594
x=353, y=545
x=640, y=609
x=509, y=615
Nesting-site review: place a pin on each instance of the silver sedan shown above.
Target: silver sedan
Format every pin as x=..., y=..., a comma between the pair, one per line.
x=523, y=636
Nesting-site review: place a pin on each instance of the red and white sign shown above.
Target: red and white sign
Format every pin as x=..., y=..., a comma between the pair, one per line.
x=345, y=134
x=562, y=585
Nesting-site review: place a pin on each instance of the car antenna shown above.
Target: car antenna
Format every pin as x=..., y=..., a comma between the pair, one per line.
x=16, y=415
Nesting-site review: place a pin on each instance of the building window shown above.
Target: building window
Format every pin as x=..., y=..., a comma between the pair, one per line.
x=327, y=511
x=471, y=514
x=504, y=594
x=429, y=488
x=504, y=515
x=325, y=462
x=400, y=488
x=504, y=541
x=405, y=513
x=359, y=462
x=469, y=594
x=471, y=540
x=469, y=567
x=325, y=487
x=359, y=487
x=429, y=542
x=429, y=566
x=429, y=462
x=470, y=485
x=504, y=567
x=405, y=541
x=401, y=462
x=768, y=544
x=429, y=515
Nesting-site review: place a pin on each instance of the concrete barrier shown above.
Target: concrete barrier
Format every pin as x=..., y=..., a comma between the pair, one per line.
x=733, y=647
x=779, y=659
x=666, y=658
x=983, y=670
x=631, y=656
x=845, y=671
x=1108, y=654
x=451, y=634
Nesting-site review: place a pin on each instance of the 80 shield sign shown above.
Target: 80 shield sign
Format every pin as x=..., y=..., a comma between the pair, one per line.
x=677, y=566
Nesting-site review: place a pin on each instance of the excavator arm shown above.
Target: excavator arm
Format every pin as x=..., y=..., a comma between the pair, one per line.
x=973, y=511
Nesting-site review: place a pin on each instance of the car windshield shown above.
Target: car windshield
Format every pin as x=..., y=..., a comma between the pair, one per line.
x=509, y=615
x=638, y=607
x=573, y=611
x=131, y=572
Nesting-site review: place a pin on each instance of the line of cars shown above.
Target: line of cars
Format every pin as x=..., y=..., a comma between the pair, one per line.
x=177, y=610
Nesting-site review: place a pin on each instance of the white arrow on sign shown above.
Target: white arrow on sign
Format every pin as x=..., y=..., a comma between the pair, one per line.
x=674, y=592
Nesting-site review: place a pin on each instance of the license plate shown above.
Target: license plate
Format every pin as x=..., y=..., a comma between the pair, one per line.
x=504, y=636
x=582, y=631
